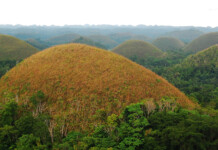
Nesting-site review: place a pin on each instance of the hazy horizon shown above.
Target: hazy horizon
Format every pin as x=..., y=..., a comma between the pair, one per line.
x=121, y=25
x=198, y=13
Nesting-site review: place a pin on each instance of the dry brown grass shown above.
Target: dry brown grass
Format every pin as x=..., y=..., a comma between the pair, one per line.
x=81, y=79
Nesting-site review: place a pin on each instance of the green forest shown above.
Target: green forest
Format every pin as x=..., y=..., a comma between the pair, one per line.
x=165, y=126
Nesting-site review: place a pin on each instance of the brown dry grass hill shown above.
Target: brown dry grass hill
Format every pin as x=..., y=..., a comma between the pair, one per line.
x=201, y=43
x=80, y=80
x=14, y=49
x=168, y=43
x=136, y=49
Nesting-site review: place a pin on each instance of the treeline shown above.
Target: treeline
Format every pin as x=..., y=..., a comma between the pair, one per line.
x=45, y=32
x=148, y=125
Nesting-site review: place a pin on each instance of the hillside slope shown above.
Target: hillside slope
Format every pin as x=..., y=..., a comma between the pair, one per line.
x=80, y=80
x=202, y=42
x=12, y=48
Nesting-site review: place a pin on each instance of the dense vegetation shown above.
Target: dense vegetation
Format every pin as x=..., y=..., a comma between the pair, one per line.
x=146, y=125
x=6, y=65
x=168, y=44
x=202, y=42
x=12, y=48
x=197, y=76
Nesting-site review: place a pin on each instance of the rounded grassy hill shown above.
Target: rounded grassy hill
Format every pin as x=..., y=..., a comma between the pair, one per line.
x=202, y=42
x=168, y=43
x=137, y=50
x=88, y=41
x=80, y=80
x=12, y=48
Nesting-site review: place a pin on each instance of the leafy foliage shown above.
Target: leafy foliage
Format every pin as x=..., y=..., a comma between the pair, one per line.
x=6, y=65
x=197, y=76
x=164, y=129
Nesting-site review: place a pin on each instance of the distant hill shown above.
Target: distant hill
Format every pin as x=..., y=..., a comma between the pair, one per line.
x=12, y=48
x=185, y=35
x=137, y=50
x=121, y=37
x=197, y=76
x=37, y=43
x=168, y=43
x=62, y=39
x=87, y=41
x=204, y=41
x=80, y=80
x=104, y=40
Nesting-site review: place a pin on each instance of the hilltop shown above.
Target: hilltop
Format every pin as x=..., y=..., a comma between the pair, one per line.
x=79, y=80
x=197, y=76
x=201, y=43
x=185, y=35
x=12, y=48
x=168, y=43
x=138, y=51
x=62, y=39
x=85, y=40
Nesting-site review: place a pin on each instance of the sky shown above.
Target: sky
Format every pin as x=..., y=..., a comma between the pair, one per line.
x=114, y=12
